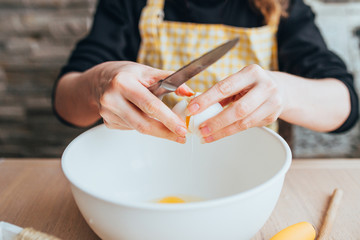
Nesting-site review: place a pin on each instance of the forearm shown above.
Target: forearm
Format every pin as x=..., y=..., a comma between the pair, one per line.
x=74, y=99
x=321, y=105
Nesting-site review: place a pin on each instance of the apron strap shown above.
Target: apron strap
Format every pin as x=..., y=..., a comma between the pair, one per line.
x=153, y=12
x=151, y=17
x=156, y=3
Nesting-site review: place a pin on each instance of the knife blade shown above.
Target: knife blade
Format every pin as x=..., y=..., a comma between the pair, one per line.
x=173, y=81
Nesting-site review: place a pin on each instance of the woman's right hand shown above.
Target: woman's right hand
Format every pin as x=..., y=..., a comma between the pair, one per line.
x=120, y=91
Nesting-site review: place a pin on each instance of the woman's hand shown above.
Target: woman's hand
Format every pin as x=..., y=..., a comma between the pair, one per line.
x=119, y=90
x=253, y=97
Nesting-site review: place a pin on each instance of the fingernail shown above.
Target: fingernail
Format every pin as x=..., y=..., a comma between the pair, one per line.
x=181, y=140
x=193, y=108
x=180, y=130
x=191, y=92
x=209, y=139
x=205, y=131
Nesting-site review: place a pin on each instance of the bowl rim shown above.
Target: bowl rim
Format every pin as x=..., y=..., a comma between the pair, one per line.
x=188, y=206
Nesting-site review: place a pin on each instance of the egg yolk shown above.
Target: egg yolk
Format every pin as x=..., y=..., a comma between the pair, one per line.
x=187, y=121
x=171, y=200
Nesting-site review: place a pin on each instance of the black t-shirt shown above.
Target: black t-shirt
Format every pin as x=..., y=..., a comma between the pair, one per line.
x=301, y=49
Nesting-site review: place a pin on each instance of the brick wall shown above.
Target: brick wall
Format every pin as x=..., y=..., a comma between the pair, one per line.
x=36, y=37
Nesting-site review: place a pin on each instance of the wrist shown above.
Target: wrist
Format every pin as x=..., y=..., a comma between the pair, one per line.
x=281, y=89
x=95, y=80
x=86, y=85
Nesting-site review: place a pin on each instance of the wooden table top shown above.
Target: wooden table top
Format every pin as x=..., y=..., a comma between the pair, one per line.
x=35, y=193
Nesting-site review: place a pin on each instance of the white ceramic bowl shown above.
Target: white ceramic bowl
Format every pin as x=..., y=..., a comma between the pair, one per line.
x=116, y=177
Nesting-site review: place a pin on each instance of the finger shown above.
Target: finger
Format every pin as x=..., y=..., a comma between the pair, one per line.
x=153, y=75
x=135, y=118
x=150, y=76
x=223, y=89
x=113, y=121
x=112, y=125
x=263, y=116
x=184, y=91
x=236, y=111
x=146, y=125
x=153, y=107
x=234, y=98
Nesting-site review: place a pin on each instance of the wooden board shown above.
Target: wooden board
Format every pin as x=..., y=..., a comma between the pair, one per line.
x=306, y=194
x=34, y=193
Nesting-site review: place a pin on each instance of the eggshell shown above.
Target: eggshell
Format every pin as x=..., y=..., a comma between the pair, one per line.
x=198, y=119
x=298, y=231
x=180, y=108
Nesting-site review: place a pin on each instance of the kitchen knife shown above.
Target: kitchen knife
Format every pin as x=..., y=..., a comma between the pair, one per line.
x=173, y=81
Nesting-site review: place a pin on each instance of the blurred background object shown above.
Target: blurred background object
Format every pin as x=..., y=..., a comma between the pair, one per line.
x=37, y=36
x=339, y=22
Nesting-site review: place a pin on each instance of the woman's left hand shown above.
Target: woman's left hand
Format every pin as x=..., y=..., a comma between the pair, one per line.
x=254, y=97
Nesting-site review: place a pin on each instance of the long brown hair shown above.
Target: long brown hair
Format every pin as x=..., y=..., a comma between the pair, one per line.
x=272, y=10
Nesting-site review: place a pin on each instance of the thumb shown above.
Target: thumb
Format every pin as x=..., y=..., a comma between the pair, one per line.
x=149, y=75
x=158, y=74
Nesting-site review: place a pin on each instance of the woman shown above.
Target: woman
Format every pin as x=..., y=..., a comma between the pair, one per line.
x=281, y=68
